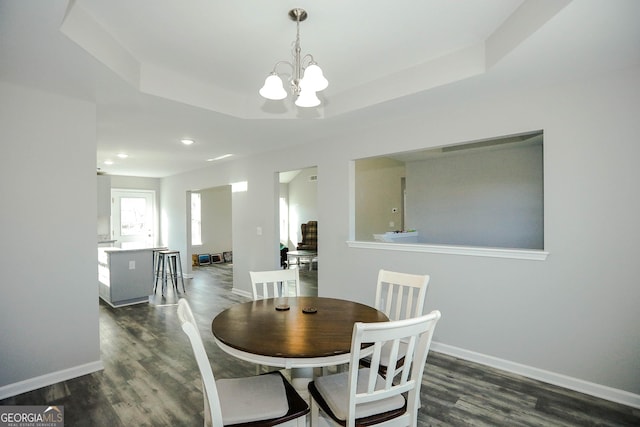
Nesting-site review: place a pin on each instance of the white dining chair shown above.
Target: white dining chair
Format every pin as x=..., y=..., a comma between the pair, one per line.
x=265, y=400
x=399, y=296
x=275, y=283
x=362, y=396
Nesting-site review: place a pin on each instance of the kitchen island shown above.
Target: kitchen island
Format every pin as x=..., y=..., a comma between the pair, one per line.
x=125, y=276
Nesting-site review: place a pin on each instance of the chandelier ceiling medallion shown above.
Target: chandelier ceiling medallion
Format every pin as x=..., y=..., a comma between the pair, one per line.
x=306, y=77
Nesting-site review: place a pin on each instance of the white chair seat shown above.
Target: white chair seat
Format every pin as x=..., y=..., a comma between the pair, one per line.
x=250, y=399
x=335, y=392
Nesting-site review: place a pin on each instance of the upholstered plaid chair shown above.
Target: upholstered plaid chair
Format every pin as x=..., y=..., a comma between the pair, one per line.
x=309, y=237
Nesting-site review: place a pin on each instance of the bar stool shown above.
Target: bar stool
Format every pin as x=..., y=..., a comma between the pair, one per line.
x=169, y=260
x=156, y=259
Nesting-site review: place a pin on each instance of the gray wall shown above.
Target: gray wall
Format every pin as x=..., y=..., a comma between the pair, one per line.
x=488, y=198
x=49, y=304
x=572, y=317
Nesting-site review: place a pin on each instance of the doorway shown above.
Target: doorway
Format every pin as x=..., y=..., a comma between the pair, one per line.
x=209, y=232
x=298, y=205
x=133, y=224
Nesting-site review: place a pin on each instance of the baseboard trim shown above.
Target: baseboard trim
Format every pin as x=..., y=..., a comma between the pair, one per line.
x=242, y=293
x=575, y=384
x=49, y=379
x=593, y=389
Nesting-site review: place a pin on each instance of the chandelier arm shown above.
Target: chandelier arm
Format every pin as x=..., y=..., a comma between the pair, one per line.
x=309, y=57
x=282, y=62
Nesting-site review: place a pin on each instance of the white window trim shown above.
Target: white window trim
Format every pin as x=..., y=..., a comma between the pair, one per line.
x=525, y=254
x=196, y=232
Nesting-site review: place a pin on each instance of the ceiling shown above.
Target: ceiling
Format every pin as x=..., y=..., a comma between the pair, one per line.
x=161, y=70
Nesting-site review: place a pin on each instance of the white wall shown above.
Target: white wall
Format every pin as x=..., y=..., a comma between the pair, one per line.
x=135, y=183
x=49, y=318
x=573, y=316
x=216, y=220
x=303, y=203
x=378, y=190
x=283, y=221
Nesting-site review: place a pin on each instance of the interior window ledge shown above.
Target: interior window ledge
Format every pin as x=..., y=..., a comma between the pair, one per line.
x=527, y=254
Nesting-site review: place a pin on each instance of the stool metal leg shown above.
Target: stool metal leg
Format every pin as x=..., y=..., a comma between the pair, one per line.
x=173, y=273
x=163, y=280
x=156, y=260
x=181, y=275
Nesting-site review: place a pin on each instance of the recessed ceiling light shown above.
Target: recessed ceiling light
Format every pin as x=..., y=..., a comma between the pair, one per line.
x=108, y=162
x=224, y=156
x=187, y=141
x=123, y=155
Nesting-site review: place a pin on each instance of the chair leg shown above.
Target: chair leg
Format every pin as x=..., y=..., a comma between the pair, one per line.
x=315, y=413
x=301, y=421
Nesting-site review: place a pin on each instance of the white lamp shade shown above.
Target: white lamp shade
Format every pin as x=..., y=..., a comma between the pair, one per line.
x=307, y=98
x=273, y=88
x=314, y=77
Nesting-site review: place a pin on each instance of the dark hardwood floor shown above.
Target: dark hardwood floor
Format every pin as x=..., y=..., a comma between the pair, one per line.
x=151, y=378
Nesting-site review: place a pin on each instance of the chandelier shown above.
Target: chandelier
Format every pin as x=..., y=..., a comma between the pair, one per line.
x=306, y=77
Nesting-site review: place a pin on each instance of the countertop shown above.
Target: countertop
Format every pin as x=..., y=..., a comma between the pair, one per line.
x=112, y=249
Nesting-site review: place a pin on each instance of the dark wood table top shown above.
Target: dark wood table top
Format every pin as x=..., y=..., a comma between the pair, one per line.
x=257, y=328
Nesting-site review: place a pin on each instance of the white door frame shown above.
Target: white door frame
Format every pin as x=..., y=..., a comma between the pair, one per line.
x=145, y=239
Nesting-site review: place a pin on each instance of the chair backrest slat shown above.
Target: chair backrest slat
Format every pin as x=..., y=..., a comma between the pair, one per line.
x=275, y=283
x=401, y=295
x=417, y=332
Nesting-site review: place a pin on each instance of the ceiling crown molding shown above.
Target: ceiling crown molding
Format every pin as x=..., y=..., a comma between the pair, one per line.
x=159, y=80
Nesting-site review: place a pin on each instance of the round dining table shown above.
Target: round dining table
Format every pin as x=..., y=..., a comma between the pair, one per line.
x=292, y=332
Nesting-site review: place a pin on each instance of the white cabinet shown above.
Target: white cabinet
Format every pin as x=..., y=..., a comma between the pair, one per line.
x=125, y=276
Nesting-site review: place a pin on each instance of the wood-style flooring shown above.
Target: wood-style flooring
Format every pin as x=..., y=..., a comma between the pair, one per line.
x=151, y=378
